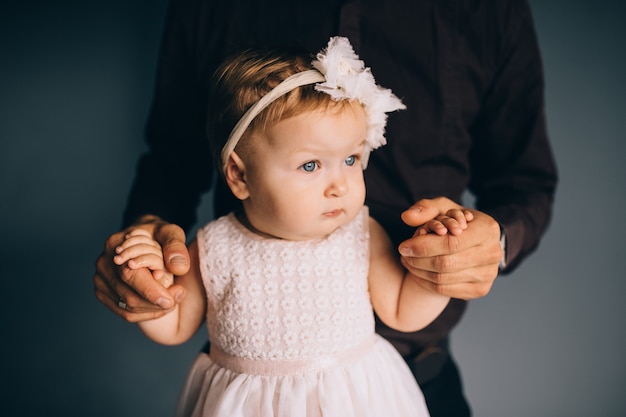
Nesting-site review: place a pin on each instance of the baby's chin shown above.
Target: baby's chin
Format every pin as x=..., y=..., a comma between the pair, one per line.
x=327, y=226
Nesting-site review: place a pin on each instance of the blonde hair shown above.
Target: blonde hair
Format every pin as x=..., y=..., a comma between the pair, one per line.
x=243, y=79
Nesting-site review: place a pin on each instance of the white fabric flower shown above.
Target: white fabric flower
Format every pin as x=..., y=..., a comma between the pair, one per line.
x=348, y=78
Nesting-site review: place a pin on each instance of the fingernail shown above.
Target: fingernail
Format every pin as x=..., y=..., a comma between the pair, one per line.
x=164, y=303
x=179, y=296
x=404, y=251
x=177, y=259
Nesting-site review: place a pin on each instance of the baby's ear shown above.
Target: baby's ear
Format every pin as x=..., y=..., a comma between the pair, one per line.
x=235, y=174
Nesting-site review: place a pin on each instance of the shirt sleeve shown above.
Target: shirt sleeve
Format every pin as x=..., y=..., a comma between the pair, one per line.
x=176, y=169
x=514, y=174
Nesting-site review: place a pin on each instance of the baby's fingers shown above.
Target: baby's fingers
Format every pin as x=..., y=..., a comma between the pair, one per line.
x=138, y=253
x=147, y=260
x=163, y=277
x=433, y=226
x=456, y=220
x=453, y=222
x=136, y=239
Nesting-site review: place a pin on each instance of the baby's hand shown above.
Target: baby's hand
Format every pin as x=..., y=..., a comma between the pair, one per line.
x=140, y=250
x=453, y=222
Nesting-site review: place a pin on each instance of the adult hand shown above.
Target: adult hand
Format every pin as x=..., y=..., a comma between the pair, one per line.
x=460, y=265
x=132, y=292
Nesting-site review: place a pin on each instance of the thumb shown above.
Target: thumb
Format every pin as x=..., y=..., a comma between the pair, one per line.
x=172, y=239
x=427, y=209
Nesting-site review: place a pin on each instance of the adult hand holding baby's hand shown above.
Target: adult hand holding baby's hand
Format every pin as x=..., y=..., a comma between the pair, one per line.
x=462, y=265
x=133, y=291
x=140, y=250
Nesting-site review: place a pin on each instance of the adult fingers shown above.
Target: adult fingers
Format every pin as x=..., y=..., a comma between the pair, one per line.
x=427, y=209
x=172, y=239
x=122, y=299
x=475, y=285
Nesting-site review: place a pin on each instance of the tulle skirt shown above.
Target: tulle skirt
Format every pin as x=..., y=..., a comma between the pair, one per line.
x=372, y=380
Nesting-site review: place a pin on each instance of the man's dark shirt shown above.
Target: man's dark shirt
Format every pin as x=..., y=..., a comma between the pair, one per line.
x=469, y=72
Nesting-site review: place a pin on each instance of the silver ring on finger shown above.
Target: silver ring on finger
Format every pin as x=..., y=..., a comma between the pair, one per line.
x=121, y=303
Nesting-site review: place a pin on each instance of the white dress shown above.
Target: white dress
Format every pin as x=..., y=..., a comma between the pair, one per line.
x=292, y=330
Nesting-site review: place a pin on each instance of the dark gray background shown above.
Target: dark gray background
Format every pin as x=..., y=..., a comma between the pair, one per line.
x=76, y=82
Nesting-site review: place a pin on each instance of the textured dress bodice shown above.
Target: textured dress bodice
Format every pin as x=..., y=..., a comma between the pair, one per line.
x=278, y=299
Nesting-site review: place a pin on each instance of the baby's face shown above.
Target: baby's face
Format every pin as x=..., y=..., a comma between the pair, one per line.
x=304, y=174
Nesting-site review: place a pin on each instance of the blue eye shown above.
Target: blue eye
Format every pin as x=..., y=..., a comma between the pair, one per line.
x=351, y=160
x=309, y=166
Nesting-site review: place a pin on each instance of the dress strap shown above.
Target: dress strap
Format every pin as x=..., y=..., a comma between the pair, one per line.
x=283, y=367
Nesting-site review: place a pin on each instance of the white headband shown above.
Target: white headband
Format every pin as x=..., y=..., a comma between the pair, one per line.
x=342, y=75
x=290, y=83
